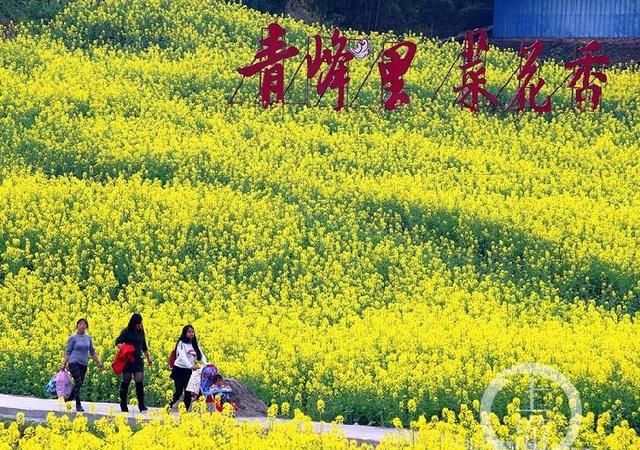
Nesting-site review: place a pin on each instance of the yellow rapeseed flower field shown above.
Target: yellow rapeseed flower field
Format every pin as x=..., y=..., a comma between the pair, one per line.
x=381, y=267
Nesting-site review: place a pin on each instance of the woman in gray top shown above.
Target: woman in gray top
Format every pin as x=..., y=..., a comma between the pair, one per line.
x=79, y=347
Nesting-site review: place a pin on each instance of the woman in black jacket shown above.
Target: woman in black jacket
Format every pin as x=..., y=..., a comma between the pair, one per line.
x=134, y=335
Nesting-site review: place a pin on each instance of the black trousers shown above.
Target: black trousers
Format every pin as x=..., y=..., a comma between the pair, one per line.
x=78, y=372
x=181, y=379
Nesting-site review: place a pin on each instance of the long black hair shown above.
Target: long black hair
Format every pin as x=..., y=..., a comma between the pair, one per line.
x=183, y=337
x=133, y=322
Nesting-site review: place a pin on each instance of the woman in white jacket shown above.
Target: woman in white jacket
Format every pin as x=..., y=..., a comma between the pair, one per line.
x=187, y=356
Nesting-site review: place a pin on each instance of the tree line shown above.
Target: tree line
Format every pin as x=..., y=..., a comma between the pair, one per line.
x=442, y=18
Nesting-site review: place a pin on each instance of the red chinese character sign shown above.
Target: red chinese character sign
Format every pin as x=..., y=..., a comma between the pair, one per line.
x=392, y=68
x=473, y=71
x=584, y=76
x=337, y=59
x=527, y=89
x=328, y=67
x=269, y=61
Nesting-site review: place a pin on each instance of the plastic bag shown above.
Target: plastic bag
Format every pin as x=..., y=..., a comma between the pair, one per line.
x=50, y=388
x=194, y=382
x=63, y=384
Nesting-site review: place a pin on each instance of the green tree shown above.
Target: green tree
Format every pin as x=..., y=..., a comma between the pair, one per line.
x=432, y=17
x=18, y=10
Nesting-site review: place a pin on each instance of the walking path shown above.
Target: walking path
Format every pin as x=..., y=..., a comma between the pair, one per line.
x=37, y=409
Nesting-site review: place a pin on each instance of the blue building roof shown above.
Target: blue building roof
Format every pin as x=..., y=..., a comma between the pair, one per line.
x=566, y=19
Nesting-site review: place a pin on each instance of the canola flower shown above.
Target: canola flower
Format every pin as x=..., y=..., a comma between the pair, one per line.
x=452, y=430
x=361, y=264
x=163, y=431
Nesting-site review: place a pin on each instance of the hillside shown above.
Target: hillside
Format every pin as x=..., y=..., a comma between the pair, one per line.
x=369, y=260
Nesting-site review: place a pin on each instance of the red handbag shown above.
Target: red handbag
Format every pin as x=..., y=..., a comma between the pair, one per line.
x=172, y=358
